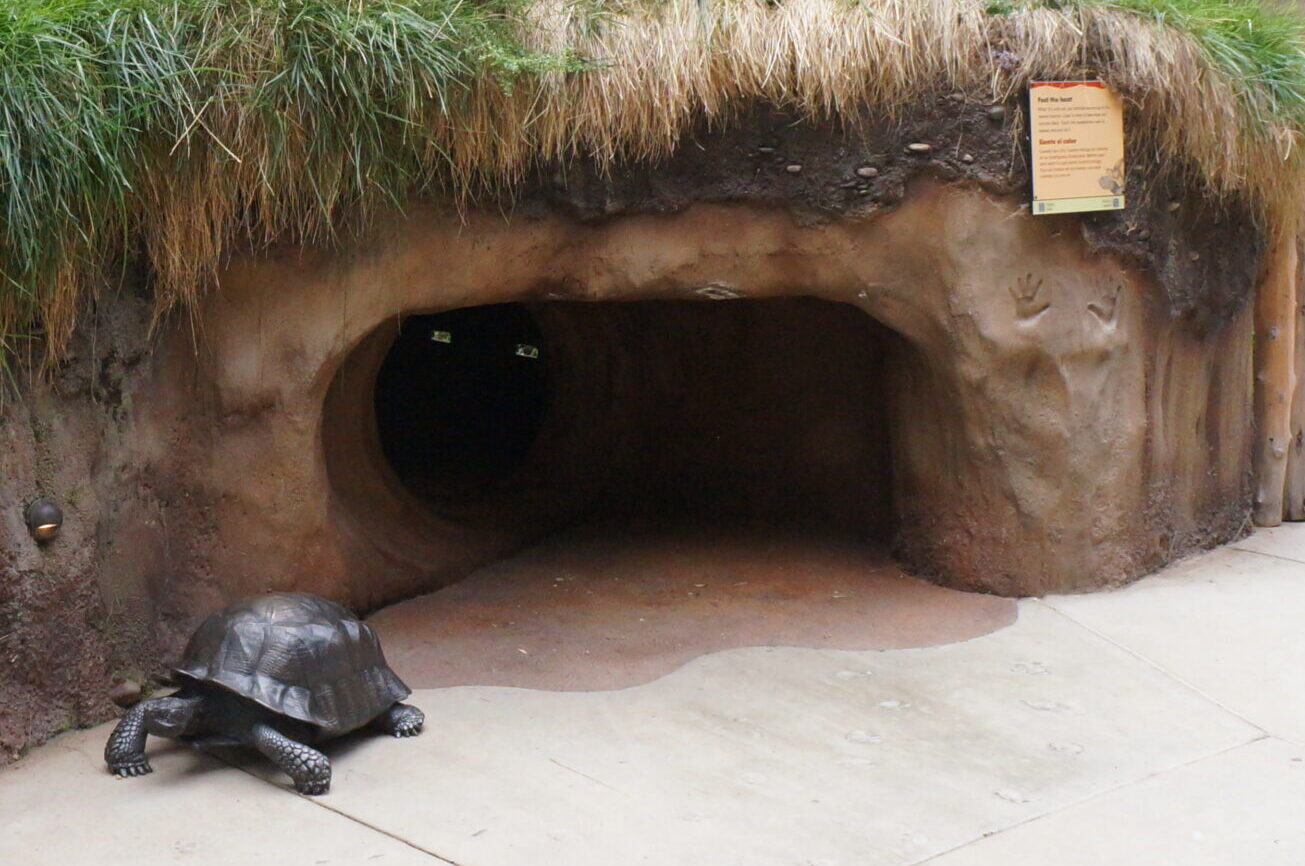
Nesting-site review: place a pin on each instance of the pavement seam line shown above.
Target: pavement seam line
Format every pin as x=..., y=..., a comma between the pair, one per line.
x=1155, y=666
x=359, y=821
x=382, y=831
x=1098, y=795
x=1270, y=555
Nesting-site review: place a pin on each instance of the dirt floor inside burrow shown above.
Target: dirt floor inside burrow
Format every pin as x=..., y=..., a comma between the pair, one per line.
x=606, y=607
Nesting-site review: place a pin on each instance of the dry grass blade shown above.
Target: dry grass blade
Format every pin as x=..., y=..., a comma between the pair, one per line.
x=188, y=128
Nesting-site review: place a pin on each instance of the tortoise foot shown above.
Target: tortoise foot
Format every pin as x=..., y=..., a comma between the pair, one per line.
x=124, y=753
x=131, y=767
x=310, y=770
x=402, y=720
x=408, y=729
x=313, y=787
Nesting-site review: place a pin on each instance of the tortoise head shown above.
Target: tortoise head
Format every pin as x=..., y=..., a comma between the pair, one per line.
x=172, y=717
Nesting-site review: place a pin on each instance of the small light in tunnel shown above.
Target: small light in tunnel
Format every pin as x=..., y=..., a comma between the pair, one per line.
x=525, y=350
x=718, y=292
x=441, y=336
x=43, y=519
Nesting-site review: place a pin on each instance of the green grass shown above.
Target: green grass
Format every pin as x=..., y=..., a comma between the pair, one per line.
x=168, y=128
x=1259, y=44
x=100, y=100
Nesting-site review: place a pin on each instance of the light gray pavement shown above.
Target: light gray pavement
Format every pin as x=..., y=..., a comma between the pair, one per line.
x=58, y=805
x=1159, y=724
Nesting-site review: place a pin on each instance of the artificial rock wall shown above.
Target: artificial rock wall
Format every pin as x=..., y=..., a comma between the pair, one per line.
x=1060, y=404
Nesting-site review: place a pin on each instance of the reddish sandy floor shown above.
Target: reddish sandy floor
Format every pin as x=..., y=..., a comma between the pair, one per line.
x=605, y=608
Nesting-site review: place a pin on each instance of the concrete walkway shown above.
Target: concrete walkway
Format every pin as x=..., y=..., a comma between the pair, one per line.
x=1162, y=724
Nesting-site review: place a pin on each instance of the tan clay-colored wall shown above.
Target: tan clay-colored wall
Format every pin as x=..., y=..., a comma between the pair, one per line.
x=1071, y=435
x=1056, y=420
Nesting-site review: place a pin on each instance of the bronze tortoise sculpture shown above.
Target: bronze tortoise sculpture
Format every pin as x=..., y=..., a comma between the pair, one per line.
x=274, y=672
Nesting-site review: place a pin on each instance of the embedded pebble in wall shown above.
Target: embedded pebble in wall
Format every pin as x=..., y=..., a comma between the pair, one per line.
x=919, y=147
x=867, y=171
x=890, y=196
x=793, y=168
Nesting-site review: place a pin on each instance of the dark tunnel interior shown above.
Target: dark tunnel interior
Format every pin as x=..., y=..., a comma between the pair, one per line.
x=460, y=397
x=769, y=411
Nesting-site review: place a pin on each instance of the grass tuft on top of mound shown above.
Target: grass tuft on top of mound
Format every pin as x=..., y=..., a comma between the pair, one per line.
x=172, y=131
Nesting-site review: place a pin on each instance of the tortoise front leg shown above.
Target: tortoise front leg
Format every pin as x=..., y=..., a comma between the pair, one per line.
x=172, y=716
x=402, y=720
x=308, y=768
x=125, y=751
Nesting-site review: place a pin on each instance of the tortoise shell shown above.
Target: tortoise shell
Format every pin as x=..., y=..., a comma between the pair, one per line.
x=298, y=655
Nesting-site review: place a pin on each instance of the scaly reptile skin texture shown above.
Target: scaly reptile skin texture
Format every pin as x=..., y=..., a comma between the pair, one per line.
x=402, y=720
x=125, y=751
x=308, y=768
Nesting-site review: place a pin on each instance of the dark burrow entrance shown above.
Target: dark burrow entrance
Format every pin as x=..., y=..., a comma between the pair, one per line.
x=756, y=411
x=460, y=397
x=654, y=479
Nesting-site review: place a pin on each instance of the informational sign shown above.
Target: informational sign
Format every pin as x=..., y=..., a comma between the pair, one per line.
x=1078, y=146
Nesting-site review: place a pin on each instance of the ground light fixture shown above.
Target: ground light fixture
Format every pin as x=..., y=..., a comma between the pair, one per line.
x=43, y=519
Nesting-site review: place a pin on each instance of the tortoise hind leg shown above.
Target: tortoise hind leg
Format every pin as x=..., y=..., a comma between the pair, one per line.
x=402, y=720
x=125, y=751
x=308, y=768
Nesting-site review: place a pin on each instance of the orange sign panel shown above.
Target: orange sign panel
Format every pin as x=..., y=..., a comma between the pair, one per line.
x=1077, y=129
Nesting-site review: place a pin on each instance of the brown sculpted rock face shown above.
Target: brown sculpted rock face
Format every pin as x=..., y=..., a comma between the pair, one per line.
x=1013, y=409
x=1049, y=428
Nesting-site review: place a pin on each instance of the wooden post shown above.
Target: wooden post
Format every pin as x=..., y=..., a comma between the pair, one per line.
x=1293, y=506
x=1275, y=372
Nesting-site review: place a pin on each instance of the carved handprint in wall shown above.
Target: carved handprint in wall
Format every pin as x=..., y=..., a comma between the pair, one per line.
x=1028, y=301
x=1107, y=308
